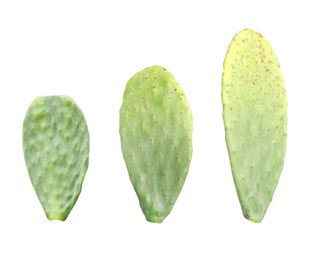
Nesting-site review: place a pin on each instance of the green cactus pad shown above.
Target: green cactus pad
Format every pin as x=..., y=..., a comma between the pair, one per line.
x=255, y=118
x=156, y=139
x=56, y=152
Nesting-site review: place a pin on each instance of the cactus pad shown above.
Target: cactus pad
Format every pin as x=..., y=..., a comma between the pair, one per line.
x=255, y=118
x=156, y=139
x=56, y=152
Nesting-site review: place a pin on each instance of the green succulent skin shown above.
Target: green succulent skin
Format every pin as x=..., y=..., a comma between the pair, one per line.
x=255, y=118
x=156, y=139
x=56, y=152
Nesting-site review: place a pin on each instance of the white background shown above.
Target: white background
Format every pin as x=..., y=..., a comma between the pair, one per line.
x=88, y=50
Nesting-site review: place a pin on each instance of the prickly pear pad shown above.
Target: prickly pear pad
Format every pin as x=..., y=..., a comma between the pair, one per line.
x=56, y=152
x=156, y=139
x=255, y=118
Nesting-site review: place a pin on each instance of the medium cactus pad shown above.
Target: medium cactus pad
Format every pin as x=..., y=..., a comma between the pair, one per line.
x=156, y=139
x=56, y=152
x=255, y=118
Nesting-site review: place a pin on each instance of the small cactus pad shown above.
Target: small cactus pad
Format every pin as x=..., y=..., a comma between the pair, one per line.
x=56, y=152
x=156, y=139
x=255, y=118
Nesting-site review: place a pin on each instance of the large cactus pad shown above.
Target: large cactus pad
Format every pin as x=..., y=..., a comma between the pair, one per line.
x=56, y=151
x=255, y=117
x=156, y=139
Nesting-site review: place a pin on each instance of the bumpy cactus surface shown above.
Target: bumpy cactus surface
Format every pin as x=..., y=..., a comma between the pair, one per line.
x=156, y=139
x=56, y=152
x=255, y=118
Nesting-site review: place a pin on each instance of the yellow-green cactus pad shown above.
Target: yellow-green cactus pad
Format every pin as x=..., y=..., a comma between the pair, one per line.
x=156, y=139
x=255, y=118
x=56, y=152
